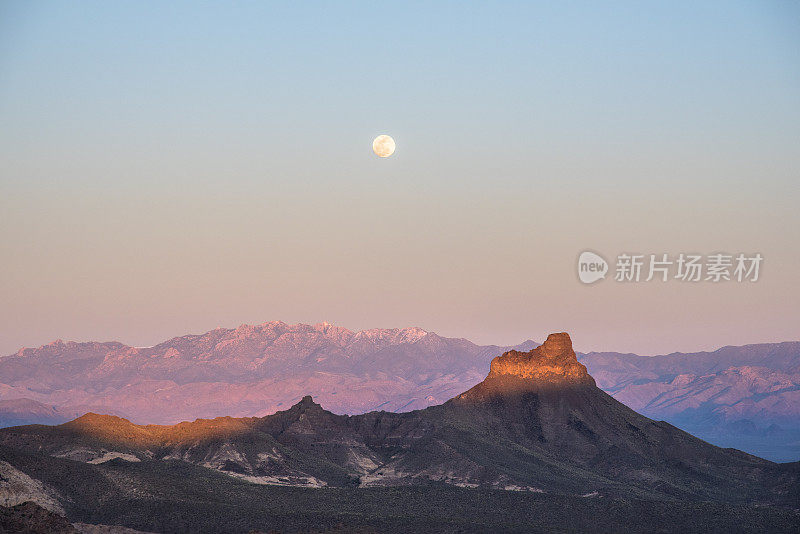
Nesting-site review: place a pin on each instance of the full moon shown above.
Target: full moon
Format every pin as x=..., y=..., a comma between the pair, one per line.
x=383, y=146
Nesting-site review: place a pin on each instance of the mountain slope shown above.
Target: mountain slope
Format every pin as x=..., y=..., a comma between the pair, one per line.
x=744, y=397
x=536, y=423
x=250, y=370
x=748, y=397
x=26, y=411
x=177, y=496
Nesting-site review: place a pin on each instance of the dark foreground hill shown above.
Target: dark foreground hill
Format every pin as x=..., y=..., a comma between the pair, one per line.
x=173, y=496
x=535, y=446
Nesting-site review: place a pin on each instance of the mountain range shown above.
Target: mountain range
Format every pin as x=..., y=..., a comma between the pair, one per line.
x=537, y=424
x=745, y=397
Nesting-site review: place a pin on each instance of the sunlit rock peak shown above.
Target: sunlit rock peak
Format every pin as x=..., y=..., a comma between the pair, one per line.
x=552, y=361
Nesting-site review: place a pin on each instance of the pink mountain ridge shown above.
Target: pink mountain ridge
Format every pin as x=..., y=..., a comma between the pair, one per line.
x=255, y=370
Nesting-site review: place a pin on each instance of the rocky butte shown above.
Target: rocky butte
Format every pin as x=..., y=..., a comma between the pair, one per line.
x=554, y=361
x=546, y=374
x=745, y=397
x=536, y=423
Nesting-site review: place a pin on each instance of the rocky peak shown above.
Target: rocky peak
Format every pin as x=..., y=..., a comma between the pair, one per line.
x=305, y=404
x=96, y=420
x=553, y=361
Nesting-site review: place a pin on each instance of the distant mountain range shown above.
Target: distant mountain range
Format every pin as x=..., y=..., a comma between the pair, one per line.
x=746, y=397
x=537, y=424
x=250, y=370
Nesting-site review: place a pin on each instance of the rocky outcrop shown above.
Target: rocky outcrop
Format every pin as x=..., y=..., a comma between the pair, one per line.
x=553, y=361
x=744, y=397
x=536, y=422
x=31, y=518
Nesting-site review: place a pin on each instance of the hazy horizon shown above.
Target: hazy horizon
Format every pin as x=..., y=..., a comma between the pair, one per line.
x=507, y=343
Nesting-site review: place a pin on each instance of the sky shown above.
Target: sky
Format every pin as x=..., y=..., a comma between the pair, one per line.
x=171, y=168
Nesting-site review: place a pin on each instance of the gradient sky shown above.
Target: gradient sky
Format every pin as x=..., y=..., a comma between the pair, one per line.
x=170, y=168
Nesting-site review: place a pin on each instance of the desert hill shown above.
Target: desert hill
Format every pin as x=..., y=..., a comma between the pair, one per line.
x=537, y=423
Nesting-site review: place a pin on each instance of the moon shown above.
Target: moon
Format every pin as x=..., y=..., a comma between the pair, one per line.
x=383, y=146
